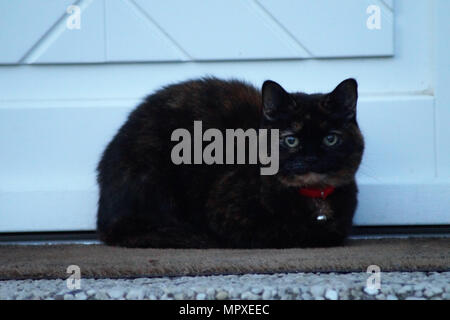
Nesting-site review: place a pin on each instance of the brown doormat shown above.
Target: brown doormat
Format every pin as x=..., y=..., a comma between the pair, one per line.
x=99, y=261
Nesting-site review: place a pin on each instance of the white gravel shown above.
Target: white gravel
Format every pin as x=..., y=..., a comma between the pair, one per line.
x=304, y=286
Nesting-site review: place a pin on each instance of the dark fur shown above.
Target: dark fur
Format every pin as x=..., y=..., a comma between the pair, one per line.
x=147, y=201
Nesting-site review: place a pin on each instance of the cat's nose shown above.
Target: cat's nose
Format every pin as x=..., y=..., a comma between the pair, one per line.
x=310, y=159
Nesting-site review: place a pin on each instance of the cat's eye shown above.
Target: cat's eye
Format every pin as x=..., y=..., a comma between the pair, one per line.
x=331, y=139
x=291, y=141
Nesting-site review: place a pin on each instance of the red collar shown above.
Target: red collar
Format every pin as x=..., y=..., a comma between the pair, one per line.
x=316, y=193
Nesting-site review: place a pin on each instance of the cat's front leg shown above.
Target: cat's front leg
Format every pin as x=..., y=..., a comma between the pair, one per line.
x=234, y=213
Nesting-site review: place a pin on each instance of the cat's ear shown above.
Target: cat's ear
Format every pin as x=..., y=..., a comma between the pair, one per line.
x=275, y=100
x=344, y=98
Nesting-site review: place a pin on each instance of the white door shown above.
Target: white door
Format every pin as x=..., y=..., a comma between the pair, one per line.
x=69, y=75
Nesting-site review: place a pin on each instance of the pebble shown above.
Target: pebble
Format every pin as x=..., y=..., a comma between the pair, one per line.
x=201, y=296
x=210, y=292
x=387, y=290
x=234, y=293
x=136, y=294
x=405, y=289
x=68, y=296
x=414, y=298
x=267, y=294
x=419, y=287
x=101, y=296
x=306, y=296
x=317, y=291
x=222, y=295
x=430, y=292
x=257, y=290
x=80, y=296
x=249, y=296
x=179, y=296
x=90, y=292
x=331, y=294
x=371, y=291
x=116, y=293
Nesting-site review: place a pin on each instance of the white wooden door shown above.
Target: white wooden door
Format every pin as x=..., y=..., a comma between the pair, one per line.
x=65, y=90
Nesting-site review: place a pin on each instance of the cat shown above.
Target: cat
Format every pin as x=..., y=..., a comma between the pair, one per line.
x=145, y=200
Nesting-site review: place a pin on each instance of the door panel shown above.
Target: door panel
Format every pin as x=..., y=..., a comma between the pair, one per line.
x=343, y=31
x=153, y=30
x=24, y=23
x=64, y=93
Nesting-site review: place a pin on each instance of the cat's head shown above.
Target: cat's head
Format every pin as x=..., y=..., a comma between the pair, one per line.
x=320, y=142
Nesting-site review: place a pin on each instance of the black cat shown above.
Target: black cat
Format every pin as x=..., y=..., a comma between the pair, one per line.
x=148, y=201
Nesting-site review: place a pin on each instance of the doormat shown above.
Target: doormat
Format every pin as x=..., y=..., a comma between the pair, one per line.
x=100, y=261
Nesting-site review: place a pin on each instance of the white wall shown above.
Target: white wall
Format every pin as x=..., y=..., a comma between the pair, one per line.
x=64, y=93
